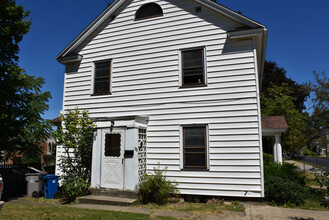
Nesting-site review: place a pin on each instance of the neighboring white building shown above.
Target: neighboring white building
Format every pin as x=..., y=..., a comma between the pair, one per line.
x=173, y=83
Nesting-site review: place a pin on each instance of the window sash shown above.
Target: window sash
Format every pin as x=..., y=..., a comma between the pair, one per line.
x=185, y=70
x=201, y=150
x=102, y=79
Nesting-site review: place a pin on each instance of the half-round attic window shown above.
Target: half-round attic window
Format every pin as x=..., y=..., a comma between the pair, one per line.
x=149, y=10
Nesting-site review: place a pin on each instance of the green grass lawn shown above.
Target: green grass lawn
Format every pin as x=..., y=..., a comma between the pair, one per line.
x=31, y=211
x=196, y=207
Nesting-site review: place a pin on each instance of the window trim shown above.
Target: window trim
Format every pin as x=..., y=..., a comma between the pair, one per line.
x=93, y=74
x=182, y=148
x=204, y=62
x=148, y=17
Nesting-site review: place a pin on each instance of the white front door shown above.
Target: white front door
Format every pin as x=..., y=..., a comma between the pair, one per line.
x=112, y=165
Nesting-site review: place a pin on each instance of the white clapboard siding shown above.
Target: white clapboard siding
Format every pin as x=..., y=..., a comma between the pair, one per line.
x=145, y=82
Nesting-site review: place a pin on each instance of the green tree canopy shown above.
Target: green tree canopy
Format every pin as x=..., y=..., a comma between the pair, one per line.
x=21, y=100
x=278, y=100
x=276, y=76
x=320, y=88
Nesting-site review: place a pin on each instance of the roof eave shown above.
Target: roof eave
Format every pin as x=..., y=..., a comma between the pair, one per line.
x=231, y=14
x=118, y=3
x=273, y=131
x=91, y=27
x=70, y=59
x=261, y=32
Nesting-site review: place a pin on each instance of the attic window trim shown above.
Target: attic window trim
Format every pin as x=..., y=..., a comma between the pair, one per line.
x=148, y=17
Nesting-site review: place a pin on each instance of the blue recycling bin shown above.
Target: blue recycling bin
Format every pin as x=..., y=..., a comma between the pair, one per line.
x=50, y=185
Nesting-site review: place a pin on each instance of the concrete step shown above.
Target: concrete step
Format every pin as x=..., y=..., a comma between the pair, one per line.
x=105, y=200
x=114, y=193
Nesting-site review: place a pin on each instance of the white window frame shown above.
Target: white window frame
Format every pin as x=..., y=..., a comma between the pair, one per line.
x=181, y=146
x=180, y=65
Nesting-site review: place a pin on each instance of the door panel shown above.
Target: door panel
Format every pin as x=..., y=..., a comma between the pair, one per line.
x=112, y=169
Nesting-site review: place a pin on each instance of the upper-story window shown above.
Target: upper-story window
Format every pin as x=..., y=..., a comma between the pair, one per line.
x=148, y=10
x=193, y=67
x=102, y=80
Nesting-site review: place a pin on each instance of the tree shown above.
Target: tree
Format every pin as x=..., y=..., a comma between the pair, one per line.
x=320, y=115
x=280, y=101
x=21, y=100
x=76, y=137
x=320, y=101
x=276, y=76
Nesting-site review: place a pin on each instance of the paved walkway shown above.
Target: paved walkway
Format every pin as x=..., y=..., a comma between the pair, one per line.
x=300, y=165
x=252, y=212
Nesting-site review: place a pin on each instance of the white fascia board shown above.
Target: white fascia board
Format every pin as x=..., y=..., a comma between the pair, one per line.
x=245, y=33
x=230, y=13
x=70, y=59
x=272, y=132
x=91, y=27
x=117, y=3
x=263, y=55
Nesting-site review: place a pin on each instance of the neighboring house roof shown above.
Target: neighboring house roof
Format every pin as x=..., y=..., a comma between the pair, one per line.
x=56, y=121
x=249, y=24
x=274, y=124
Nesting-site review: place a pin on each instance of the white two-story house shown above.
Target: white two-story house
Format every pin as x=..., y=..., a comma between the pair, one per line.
x=171, y=83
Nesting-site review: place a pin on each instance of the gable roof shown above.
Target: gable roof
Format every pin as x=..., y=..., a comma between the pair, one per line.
x=274, y=122
x=109, y=11
x=273, y=125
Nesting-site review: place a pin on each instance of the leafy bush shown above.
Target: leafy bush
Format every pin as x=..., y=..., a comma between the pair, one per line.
x=286, y=171
x=284, y=184
x=309, y=153
x=322, y=178
x=72, y=188
x=76, y=137
x=155, y=188
x=267, y=158
x=280, y=191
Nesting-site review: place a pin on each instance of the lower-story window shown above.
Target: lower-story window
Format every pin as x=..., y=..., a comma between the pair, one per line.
x=195, y=147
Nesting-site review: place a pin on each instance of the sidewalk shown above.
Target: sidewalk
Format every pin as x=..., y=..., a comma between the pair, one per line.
x=300, y=165
x=252, y=212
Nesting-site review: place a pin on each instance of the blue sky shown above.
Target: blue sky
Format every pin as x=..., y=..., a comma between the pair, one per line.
x=298, y=36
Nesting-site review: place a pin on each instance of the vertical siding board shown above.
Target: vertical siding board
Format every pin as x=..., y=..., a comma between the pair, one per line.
x=146, y=82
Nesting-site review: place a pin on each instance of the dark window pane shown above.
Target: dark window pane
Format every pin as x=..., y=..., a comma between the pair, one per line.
x=149, y=10
x=195, y=150
x=192, y=58
x=193, y=79
x=102, y=69
x=193, y=68
x=193, y=71
x=102, y=87
x=102, y=77
x=194, y=137
x=195, y=160
x=112, y=145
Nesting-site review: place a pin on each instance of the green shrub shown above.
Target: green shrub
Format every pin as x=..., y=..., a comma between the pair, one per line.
x=280, y=191
x=284, y=184
x=322, y=178
x=309, y=153
x=285, y=171
x=72, y=188
x=268, y=158
x=155, y=188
